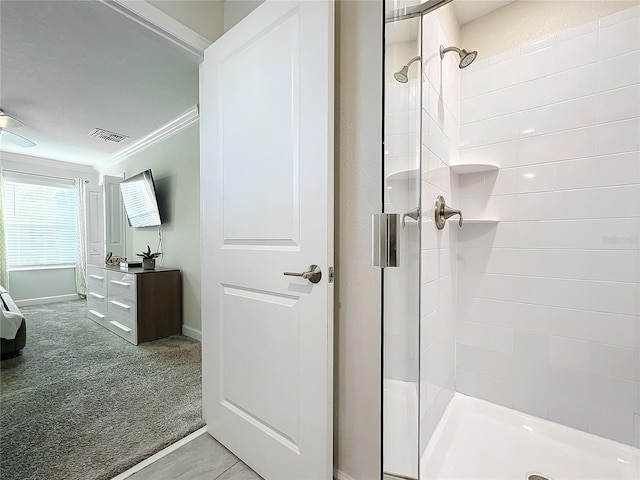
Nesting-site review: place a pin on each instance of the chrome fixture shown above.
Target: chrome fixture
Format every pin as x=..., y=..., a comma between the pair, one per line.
x=401, y=75
x=442, y=212
x=384, y=240
x=412, y=214
x=466, y=58
x=314, y=274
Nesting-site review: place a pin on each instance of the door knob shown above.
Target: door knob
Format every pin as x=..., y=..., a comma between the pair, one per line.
x=314, y=274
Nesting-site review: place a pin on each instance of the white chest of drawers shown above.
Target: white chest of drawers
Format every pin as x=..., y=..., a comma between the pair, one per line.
x=138, y=305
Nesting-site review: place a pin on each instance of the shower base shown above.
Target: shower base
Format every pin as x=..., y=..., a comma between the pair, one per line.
x=479, y=440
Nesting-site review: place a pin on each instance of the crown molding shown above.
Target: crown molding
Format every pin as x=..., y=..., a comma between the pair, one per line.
x=46, y=162
x=160, y=23
x=181, y=122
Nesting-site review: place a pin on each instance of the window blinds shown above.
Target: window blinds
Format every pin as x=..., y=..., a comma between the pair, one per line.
x=40, y=224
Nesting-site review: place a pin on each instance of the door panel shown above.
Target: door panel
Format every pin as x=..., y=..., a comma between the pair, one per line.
x=114, y=217
x=267, y=207
x=95, y=224
x=261, y=377
x=274, y=175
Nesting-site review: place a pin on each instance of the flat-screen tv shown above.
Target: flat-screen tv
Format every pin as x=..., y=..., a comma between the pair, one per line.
x=139, y=196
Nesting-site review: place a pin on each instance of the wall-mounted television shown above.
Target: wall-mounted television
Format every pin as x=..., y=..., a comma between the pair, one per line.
x=140, y=203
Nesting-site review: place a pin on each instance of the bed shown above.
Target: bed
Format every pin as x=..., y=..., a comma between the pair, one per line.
x=13, y=327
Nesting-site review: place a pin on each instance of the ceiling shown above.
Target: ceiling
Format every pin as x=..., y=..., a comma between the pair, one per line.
x=71, y=66
x=469, y=10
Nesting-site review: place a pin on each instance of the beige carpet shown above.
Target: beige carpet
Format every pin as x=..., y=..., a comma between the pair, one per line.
x=81, y=403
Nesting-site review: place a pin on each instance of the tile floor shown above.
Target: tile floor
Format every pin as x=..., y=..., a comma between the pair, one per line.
x=203, y=458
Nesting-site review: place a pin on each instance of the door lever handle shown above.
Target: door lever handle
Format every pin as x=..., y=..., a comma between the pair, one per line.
x=314, y=274
x=413, y=214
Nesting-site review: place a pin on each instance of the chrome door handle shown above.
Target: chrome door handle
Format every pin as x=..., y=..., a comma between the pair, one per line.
x=412, y=214
x=314, y=274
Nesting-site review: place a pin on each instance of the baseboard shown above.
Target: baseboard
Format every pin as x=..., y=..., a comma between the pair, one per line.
x=42, y=300
x=340, y=475
x=192, y=333
x=162, y=453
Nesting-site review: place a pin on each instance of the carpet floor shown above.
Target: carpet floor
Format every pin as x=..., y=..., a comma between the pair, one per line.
x=81, y=403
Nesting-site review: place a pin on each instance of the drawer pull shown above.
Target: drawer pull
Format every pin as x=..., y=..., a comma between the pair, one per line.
x=97, y=277
x=97, y=314
x=121, y=305
x=96, y=295
x=117, y=282
x=120, y=326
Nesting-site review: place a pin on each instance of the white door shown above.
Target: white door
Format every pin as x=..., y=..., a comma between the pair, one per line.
x=114, y=216
x=266, y=132
x=94, y=211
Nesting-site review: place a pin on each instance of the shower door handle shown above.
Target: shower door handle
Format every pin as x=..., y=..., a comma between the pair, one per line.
x=314, y=274
x=385, y=247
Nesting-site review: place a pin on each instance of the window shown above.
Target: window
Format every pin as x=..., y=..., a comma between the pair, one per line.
x=40, y=224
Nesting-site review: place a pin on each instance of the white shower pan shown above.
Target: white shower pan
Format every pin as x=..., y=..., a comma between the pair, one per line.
x=479, y=440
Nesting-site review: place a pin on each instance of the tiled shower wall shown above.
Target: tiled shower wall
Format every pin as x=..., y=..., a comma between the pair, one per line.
x=440, y=136
x=549, y=299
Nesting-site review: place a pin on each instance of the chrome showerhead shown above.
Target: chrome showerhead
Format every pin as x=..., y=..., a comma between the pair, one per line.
x=402, y=75
x=466, y=58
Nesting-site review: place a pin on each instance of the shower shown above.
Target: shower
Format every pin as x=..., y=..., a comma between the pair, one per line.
x=466, y=58
x=401, y=76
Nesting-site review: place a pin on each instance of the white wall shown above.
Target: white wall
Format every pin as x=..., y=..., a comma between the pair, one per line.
x=236, y=10
x=206, y=18
x=39, y=283
x=526, y=21
x=42, y=284
x=175, y=163
x=358, y=136
x=440, y=130
x=549, y=300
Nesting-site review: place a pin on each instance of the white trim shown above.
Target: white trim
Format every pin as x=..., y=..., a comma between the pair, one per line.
x=162, y=24
x=182, y=121
x=41, y=267
x=47, y=162
x=43, y=300
x=192, y=333
x=162, y=453
x=340, y=475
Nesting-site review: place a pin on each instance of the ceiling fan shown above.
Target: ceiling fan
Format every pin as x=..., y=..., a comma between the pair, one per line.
x=6, y=122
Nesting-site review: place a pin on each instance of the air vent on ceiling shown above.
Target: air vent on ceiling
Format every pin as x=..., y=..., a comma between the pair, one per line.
x=108, y=136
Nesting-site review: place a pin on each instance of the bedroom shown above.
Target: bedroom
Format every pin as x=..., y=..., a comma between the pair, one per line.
x=146, y=88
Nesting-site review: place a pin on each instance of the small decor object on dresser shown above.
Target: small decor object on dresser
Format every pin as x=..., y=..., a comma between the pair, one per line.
x=111, y=260
x=148, y=259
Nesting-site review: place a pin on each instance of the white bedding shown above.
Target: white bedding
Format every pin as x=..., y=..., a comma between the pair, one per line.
x=10, y=319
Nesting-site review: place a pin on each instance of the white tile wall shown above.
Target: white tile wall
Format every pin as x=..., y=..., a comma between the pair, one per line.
x=441, y=110
x=549, y=299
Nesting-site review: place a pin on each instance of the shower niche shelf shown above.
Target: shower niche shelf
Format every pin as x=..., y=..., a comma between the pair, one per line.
x=463, y=169
x=479, y=221
x=403, y=175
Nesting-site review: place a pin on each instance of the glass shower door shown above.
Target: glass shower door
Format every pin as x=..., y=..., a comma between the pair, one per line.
x=401, y=284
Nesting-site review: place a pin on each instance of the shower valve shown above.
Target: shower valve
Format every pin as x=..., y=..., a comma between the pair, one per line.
x=442, y=212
